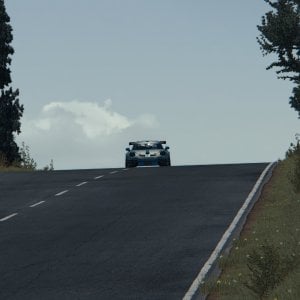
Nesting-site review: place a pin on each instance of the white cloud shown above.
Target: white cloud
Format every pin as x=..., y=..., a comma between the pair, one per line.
x=94, y=120
x=79, y=134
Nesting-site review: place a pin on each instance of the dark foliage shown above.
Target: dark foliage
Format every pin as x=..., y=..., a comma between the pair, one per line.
x=280, y=35
x=295, y=99
x=10, y=109
x=267, y=269
x=294, y=153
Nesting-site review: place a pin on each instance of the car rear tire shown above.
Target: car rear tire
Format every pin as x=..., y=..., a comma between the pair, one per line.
x=129, y=165
x=165, y=164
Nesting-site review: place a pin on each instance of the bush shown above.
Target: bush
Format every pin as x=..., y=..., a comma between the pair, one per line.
x=267, y=269
x=294, y=153
x=27, y=162
x=3, y=160
x=49, y=167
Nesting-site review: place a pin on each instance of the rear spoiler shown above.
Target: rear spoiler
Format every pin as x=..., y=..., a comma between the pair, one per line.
x=134, y=143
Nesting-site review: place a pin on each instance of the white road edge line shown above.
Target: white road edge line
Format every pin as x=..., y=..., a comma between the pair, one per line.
x=61, y=193
x=36, y=204
x=113, y=172
x=196, y=283
x=82, y=183
x=8, y=217
x=99, y=177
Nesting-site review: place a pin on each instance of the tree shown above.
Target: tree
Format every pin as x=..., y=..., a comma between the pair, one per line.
x=10, y=109
x=280, y=35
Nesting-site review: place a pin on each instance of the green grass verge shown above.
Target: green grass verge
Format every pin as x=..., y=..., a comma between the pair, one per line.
x=264, y=263
x=24, y=169
x=15, y=169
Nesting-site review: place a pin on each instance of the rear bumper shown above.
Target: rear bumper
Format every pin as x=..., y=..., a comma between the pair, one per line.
x=149, y=161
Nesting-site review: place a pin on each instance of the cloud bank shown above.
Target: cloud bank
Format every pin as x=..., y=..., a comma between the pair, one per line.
x=79, y=134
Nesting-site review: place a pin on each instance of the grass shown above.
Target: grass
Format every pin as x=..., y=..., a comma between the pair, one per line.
x=264, y=263
x=14, y=169
x=26, y=163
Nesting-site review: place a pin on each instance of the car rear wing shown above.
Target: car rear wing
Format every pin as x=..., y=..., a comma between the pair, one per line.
x=135, y=143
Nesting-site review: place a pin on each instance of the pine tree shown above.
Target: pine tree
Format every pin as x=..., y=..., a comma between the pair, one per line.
x=280, y=35
x=10, y=109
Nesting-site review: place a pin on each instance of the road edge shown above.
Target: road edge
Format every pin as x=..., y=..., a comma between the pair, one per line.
x=211, y=268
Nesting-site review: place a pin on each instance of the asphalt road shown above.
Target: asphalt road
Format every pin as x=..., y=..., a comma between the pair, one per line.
x=141, y=233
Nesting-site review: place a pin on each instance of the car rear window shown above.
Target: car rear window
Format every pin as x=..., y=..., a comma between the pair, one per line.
x=147, y=146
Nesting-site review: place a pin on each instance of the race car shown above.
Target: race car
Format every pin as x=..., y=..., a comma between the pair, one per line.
x=147, y=153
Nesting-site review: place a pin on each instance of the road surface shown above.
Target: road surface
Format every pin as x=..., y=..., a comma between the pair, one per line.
x=141, y=233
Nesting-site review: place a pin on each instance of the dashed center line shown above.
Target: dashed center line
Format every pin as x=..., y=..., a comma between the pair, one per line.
x=8, y=217
x=61, y=193
x=36, y=204
x=82, y=183
x=58, y=194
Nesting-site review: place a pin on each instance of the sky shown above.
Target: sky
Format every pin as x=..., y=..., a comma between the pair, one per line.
x=94, y=75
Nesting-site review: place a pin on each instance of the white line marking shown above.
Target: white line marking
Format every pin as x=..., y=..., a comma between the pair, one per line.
x=195, y=285
x=99, y=177
x=125, y=169
x=82, y=183
x=113, y=172
x=8, y=217
x=36, y=204
x=61, y=193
